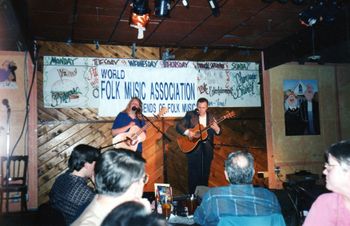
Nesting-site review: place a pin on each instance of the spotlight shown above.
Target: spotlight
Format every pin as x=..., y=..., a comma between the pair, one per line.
x=308, y=17
x=162, y=8
x=140, y=7
x=318, y=12
x=186, y=3
x=139, y=16
x=311, y=15
x=214, y=6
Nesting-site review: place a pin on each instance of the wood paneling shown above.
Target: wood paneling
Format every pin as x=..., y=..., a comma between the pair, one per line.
x=59, y=130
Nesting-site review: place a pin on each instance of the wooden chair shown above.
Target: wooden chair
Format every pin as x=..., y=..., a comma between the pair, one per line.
x=14, y=180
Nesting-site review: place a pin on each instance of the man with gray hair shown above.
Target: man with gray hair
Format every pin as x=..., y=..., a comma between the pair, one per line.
x=239, y=198
x=119, y=177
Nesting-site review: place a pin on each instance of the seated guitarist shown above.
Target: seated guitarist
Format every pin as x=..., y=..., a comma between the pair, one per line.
x=199, y=159
x=128, y=118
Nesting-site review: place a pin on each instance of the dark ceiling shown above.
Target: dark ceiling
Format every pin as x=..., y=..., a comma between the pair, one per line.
x=271, y=26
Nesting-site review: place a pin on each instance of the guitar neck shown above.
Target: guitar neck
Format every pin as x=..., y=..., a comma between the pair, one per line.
x=217, y=121
x=145, y=127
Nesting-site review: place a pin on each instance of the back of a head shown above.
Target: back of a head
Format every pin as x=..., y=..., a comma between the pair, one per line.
x=131, y=214
x=116, y=170
x=239, y=167
x=341, y=152
x=81, y=154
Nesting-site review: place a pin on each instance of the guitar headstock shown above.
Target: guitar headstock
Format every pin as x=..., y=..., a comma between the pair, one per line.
x=230, y=114
x=163, y=111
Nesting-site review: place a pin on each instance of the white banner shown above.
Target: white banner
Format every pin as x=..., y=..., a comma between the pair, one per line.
x=75, y=82
x=157, y=88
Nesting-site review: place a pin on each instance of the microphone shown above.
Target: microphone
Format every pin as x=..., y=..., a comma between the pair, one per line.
x=6, y=102
x=136, y=109
x=196, y=111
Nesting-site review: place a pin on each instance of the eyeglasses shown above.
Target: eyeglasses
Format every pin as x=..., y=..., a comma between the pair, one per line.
x=145, y=178
x=328, y=166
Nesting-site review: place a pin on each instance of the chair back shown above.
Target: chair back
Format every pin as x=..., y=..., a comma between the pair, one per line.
x=14, y=169
x=49, y=216
x=275, y=219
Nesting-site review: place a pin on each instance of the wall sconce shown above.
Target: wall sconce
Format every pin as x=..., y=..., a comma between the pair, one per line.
x=167, y=55
x=97, y=44
x=133, y=50
x=161, y=8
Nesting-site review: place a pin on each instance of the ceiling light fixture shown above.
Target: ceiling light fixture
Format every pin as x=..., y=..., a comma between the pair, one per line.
x=214, y=6
x=322, y=10
x=162, y=8
x=186, y=3
x=139, y=16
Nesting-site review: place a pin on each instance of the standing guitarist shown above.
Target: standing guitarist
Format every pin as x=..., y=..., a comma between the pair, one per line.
x=128, y=118
x=199, y=159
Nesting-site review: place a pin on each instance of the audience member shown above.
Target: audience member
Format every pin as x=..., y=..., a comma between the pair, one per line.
x=70, y=193
x=132, y=214
x=120, y=177
x=333, y=209
x=240, y=198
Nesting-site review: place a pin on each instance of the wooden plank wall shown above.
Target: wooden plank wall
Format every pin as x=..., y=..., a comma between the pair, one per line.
x=59, y=130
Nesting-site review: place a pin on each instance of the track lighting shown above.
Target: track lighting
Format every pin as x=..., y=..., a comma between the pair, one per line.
x=162, y=8
x=214, y=6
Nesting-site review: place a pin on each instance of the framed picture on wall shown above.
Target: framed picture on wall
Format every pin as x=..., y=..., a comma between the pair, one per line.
x=301, y=107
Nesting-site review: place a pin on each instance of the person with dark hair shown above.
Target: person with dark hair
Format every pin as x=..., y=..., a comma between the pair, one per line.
x=119, y=177
x=310, y=112
x=70, y=193
x=200, y=157
x=333, y=209
x=239, y=198
x=126, y=123
x=132, y=213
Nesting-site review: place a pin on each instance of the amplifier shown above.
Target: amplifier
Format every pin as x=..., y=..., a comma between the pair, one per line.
x=302, y=177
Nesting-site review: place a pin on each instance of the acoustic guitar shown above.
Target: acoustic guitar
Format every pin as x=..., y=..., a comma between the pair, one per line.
x=187, y=145
x=129, y=140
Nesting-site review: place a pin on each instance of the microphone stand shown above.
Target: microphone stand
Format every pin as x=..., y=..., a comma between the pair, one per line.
x=165, y=173
x=157, y=128
x=201, y=143
x=7, y=179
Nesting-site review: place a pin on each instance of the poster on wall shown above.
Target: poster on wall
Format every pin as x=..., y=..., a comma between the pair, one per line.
x=8, y=74
x=301, y=108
